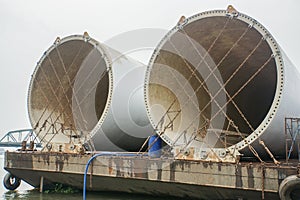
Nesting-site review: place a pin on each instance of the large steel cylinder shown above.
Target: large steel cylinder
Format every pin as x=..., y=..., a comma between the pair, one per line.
x=219, y=82
x=85, y=92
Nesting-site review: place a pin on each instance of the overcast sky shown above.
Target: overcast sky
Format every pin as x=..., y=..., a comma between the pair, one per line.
x=29, y=27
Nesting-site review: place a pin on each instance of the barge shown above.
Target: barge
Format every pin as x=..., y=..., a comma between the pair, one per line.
x=215, y=92
x=157, y=176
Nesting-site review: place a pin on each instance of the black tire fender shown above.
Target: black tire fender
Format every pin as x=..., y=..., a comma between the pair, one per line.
x=11, y=182
x=287, y=186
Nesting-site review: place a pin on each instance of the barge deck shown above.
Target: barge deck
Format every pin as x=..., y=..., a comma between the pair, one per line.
x=153, y=176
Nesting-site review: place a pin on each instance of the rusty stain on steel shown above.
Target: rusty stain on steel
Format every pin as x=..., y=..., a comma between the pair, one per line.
x=59, y=164
x=110, y=168
x=238, y=176
x=131, y=168
x=60, y=160
x=281, y=175
x=172, y=171
x=46, y=158
x=159, y=169
x=181, y=163
x=119, y=164
x=250, y=176
x=140, y=168
x=23, y=161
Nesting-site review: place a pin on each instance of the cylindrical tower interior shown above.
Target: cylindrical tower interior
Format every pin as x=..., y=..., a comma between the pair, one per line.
x=214, y=81
x=71, y=74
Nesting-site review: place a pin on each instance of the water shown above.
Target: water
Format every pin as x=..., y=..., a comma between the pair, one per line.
x=25, y=191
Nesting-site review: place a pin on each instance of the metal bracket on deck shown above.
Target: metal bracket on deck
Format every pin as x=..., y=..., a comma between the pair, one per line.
x=64, y=148
x=207, y=154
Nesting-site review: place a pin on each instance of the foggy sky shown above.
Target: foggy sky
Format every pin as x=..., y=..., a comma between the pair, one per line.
x=29, y=27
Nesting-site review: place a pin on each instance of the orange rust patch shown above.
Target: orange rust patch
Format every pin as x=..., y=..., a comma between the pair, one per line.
x=110, y=170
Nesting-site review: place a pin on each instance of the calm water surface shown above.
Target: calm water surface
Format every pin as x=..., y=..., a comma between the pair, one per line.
x=25, y=191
